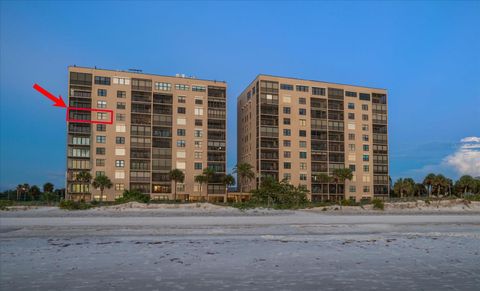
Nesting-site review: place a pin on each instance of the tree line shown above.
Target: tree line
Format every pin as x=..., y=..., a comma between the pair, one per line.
x=436, y=185
x=27, y=192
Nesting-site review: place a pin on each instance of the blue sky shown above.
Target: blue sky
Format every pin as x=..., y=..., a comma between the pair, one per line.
x=427, y=54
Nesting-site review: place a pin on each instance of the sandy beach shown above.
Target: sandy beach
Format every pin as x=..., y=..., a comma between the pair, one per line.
x=217, y=248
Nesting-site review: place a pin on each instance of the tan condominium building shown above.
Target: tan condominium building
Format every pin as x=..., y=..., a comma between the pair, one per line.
x=135, y=128
x=302, y=130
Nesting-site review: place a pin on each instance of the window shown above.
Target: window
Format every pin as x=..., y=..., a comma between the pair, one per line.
x=286, y=121
x=365, y=127
x=198, y=166
x=364, y=96
x=99, y=173
x=121, y=94
x=287, y=143
x=302, y=100
x=120, y=140
x=303, y=155
x=286, y=110
x=287, y=132
x=101, y=116
x=198, y=155
x=286, y=87
x=351, y=147
x=366, y=147
x=303, y=166
x=350, y=94
x=181, y=154
x=301, y=88
x=198, y=144
x=303, y=122
x=198, y=122
x=351, y=126
x=119, y=187
x=198, y=111
x=351, y=106
x=121, y=81
x=119, y=175
x=181, y=165
x=198, y=133
x=100, y=151
x=119, y=152
x=181, y=110
x=180, y=143
x=351, y=115
x=352, y=157
x=198, y=101
x=352, y=168
x=101, y=104
x=302, y=111
x=287, y=165
x=365, y=137
x=351, y=136
x=287, y=176
x=287, y=154
x=303, y=177
x=100, y=162
x=352, y=189
x=365, y=107
x=99, y=80
x=102, y=92
x=101, y=127
x=101, y=139
x=181, y=121
x=302, y=144
x=302, y=133
x=160, y=86
x=198, y=88
x=365, y=117
x=119, y=163
x=318, y=91
x=366, y=158
x=287, y=99
x=181, y=132
x=366, y=189
x=181, y=99
x=366, y=168
x=182, y=87
x=120, y=117
x=121, y=105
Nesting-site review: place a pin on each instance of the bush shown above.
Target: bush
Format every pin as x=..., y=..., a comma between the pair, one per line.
x=378, y=204
x=4, y=204
x=133, y=196
x=74, y=205
x=280, y=195
x=472, y=197
x=49, y=197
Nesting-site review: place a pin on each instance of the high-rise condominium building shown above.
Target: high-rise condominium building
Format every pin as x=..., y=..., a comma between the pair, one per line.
x=302, y=130
x=134, y=128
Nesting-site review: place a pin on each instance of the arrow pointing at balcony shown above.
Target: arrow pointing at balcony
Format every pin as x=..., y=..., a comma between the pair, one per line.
x=58, y=101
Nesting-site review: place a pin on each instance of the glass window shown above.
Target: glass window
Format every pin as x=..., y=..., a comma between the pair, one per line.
x=351, y=115
x=301, y=88
x=303, y=155
x=364, y=96
x=160, y=86
x=365, y=107
x=119, y=163
x=121, y=94
x=198, y=88
x=351, y=106
x=287, y=154
x=302, y=100
x=120, y=140
x=182, y=87
x=302, y=111
x=350, y=94
x=287, y=143
x=318, y=91
x=99, y=80
x=100, y=151
x=101, y=104
x=286, y=121
x=198, y=166
x=101, y=127
x=101, y=139
x=287, y=165
x=102, y=92
x=180, y=143
x=181, y=110
x=286, y=87
x=181, y=132
x=287, y=132
x=286, y=110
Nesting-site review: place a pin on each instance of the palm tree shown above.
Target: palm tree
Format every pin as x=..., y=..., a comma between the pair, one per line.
x=25, y=189
x=200, y=179
x=102, y=182
x=83, y=177
x=440, y=182
x=404, y=187
x=465, y=183
x=19, y=190
x=48, y=187
x=428, y=182
x=228, y=180
x=176, y=176
x=340, y=176
x=244, y=173
x=208, y=173
x=34, y=191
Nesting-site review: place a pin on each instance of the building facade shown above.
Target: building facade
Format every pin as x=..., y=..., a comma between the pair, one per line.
x=301, y=130
x=134, y=128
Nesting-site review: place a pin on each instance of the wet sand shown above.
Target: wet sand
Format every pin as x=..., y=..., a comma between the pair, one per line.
x=269, y=250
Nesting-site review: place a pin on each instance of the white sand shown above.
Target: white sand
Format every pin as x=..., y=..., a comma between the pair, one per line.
x=216, y=248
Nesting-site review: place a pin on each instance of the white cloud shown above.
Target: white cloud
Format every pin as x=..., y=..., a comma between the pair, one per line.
x=466, y=159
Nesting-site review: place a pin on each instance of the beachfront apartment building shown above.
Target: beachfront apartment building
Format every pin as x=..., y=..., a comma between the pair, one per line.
x=135, y=127
x=301, y=130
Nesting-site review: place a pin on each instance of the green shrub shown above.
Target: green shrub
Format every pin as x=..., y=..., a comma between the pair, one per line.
x=133, y=196
x=473, y=197
x=428, y=201
x=74, y=205
x=49, y=197
x=279, y=195
x=5, y=203
x=378, y=204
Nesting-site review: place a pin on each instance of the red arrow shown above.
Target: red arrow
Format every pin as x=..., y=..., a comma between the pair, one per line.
x=58, y=101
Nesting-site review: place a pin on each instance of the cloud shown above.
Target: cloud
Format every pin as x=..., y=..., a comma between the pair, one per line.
x=466, y=160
